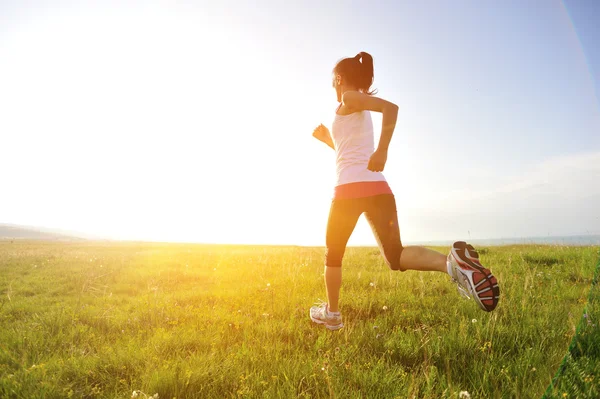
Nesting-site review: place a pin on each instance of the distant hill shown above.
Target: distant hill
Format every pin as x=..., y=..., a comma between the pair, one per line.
x=574, y=240
x=16, y=232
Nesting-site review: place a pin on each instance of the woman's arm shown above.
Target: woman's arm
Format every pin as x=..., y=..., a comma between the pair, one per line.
x=364, y=102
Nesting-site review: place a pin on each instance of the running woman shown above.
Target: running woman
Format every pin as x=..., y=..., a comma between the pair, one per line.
x=362, y=188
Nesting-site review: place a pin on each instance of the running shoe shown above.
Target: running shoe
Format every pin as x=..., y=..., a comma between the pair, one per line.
x=320, y=315
x=472, y=278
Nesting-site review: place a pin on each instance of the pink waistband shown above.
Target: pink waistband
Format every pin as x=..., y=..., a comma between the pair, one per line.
x=361, y=189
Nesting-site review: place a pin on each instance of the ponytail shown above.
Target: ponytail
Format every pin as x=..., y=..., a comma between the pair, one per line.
x=358, y=71
x=366, y=72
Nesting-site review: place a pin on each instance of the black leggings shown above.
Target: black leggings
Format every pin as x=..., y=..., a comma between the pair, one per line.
x=380, y=211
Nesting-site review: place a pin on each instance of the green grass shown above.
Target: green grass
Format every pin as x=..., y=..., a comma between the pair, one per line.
x=98, y=320
x=578, y=373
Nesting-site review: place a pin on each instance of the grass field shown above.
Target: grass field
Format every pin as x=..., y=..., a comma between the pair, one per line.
x=100, y=320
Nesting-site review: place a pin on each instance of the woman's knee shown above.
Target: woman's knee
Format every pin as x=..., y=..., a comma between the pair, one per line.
x=333, y=257
x=392, y=258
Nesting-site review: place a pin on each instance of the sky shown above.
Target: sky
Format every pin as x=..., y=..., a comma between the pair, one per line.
x=192, y=120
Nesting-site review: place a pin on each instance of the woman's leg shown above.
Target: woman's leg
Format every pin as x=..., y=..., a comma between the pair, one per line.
x=343, y=216
x=423, y=259
x=462, y=264
x=382, y=215
x=333, y=283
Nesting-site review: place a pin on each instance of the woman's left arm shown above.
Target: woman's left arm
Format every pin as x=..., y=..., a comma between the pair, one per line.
x=364, y=102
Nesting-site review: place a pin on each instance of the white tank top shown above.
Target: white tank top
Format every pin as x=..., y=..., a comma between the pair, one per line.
x=354, y=144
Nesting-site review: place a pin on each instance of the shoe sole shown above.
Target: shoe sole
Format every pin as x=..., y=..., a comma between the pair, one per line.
x=486, y=289
x=327, y=326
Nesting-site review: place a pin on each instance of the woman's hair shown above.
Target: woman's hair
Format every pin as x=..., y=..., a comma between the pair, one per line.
x=357, y=71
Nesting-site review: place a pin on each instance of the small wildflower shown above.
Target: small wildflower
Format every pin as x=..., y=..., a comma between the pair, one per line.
x=268, y=284
x=322, y=368
x=473, y=321
x=533, y=369
x=564, y=395
x=372, y=284
x=464, y=395
x=385, y=308
x=134, y=394
x=486, y=346
x=585, y=315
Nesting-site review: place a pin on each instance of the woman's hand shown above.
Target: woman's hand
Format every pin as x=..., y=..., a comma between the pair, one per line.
x=377, y=161
x=321, y=133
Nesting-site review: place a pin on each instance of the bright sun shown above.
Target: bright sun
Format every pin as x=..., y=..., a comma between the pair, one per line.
x=161, y=125
x=166, y=126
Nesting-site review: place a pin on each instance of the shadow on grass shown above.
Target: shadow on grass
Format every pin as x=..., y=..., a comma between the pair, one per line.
x=541, y=260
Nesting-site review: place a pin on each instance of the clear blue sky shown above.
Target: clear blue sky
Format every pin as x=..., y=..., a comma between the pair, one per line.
x=150, y=119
